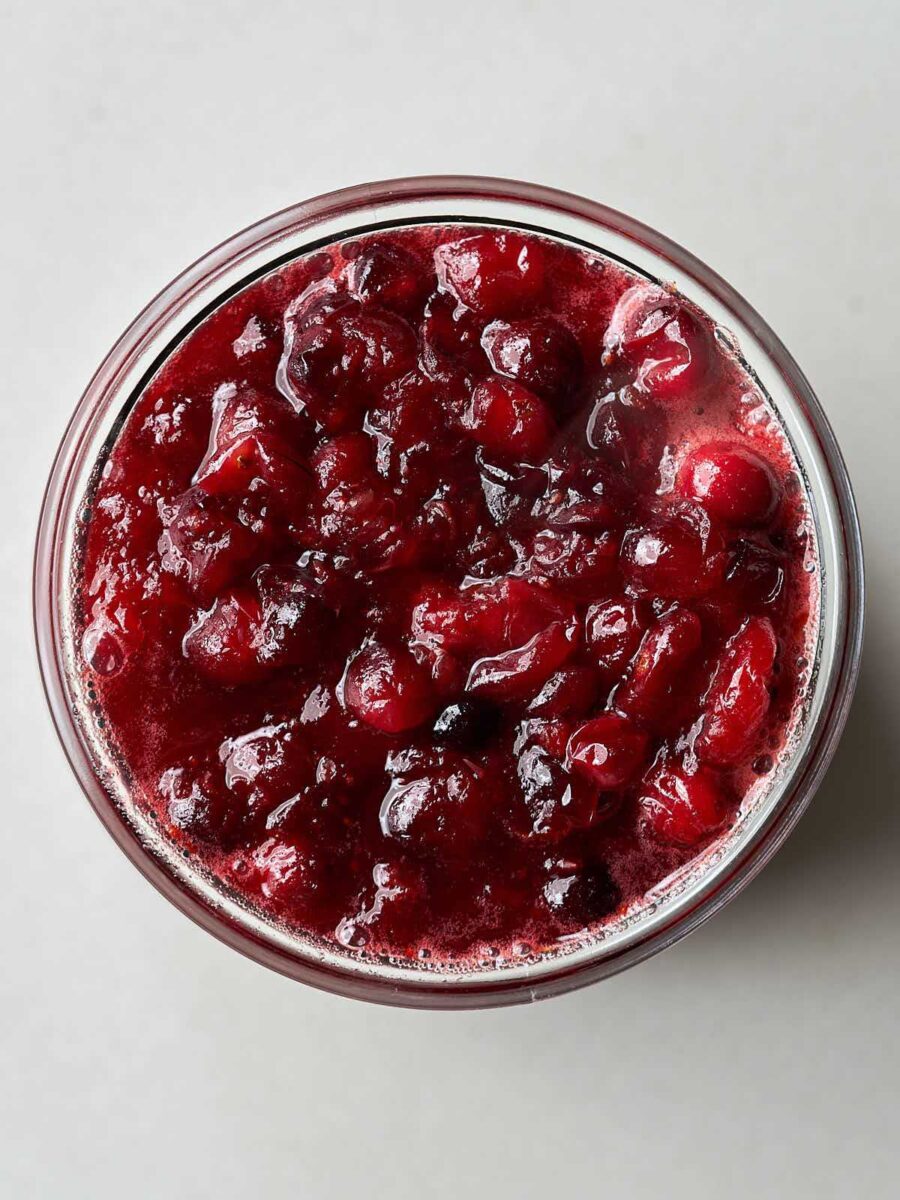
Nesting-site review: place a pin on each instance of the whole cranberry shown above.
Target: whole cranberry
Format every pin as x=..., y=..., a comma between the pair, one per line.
x=680, y=554
x=609, y=750
x=613, y=631
x=738, y=697
x=681, y=808
x=286, y=872
x=494, y=274
x=583, y=563
x=754, y=579
x=654, y=686
x=732, y=483
x=223, y=643
x=508, y=420
x=347, y=459
x=537, y=352
x=389, y=276
x=385, y=687
x=654, y=331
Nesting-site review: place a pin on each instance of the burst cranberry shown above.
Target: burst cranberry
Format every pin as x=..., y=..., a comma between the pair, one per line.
x=223, y=642
x=579, y=893
x=243, y=412
x=441, y=804
x=466, y=724
x=680, y=808
x=552, y=802
x=388, y=689
x=205, y=545
x=539, y=353
x=584, y=562
x=655, y=679
x=508, y=420
x=495, y=274
x=197, y=804
x=609, y=750
x=333, y=365
x=286, y=873
x=346, y=459
x=679, y=555
x=295, y=616
x=613, y=631
x=451, y=338
x=571, y=691
x=517, y=673
x=626, y=432
x=581, y=494
x=654, y=332
x=755, y=576
x=389, y=911
x=738, y=697
x=732, y=483
x=389, y=276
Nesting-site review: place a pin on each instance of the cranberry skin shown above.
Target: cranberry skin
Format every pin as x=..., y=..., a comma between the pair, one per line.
x=738, y=697
x=444, y=805
x=223, y=642
x=515, y=674
x=682, y=809
x=494, y=274
x=571, y=691
x=539, y=353
x=609, y=750
x=678, y=555
x=206, y=546
x=613, y=631
x=388, y=276
x=655, y=685
x=657, y=335
x=508, y=420
x=733, y=484
x=451, y=338
x=553, y=803
x=388, y=689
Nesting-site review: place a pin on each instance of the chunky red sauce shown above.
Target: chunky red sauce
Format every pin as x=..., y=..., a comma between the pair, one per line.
x=446, y=590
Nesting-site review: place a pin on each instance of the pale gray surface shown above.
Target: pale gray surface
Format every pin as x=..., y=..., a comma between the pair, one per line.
x=140, y=1058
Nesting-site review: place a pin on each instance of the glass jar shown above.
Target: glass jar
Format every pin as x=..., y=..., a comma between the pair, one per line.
x=681, y=903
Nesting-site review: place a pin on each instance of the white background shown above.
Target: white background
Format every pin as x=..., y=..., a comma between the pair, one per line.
x=759, y=1058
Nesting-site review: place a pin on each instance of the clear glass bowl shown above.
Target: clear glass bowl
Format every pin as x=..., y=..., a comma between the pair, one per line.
x=675, y=907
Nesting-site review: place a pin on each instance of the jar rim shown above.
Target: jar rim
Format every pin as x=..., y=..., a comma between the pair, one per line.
x=299, y=229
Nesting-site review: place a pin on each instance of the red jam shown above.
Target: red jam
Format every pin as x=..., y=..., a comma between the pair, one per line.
x=445, y=591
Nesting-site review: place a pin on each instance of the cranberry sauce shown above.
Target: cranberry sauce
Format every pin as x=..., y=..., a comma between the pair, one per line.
x=445, y=591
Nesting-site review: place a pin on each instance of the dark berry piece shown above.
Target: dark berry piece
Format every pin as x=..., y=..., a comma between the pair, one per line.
x=389, y=276
x=466, y=724
x=579, y=893
x=552, y=802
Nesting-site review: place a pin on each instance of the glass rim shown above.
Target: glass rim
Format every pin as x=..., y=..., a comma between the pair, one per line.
x=148, y=340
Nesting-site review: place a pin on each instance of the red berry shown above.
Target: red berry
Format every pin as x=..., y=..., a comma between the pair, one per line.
x=609, y=750
x=579, y=893
x=389, y=276
x=582, y=493
x=295, y=616
x=441, y=803
x=571, y=691
x=626, y=431
x=679, y=555
x=197, y=804
x=755, y=577
x=538, y=352
x=613, y=631
x=552, y=802
x=389, y=913
x=204, y=544
x=451, y=338
x=733, y=484
x=584, y=563
x=223, y=642
x=656, y=334
x=495, y=274
x=509, y=420
x=346, y=459
x=680, y=808
x=517, y=673
x=388, y=689
x=656, y=681
x=286, y=873
x=738, y=697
